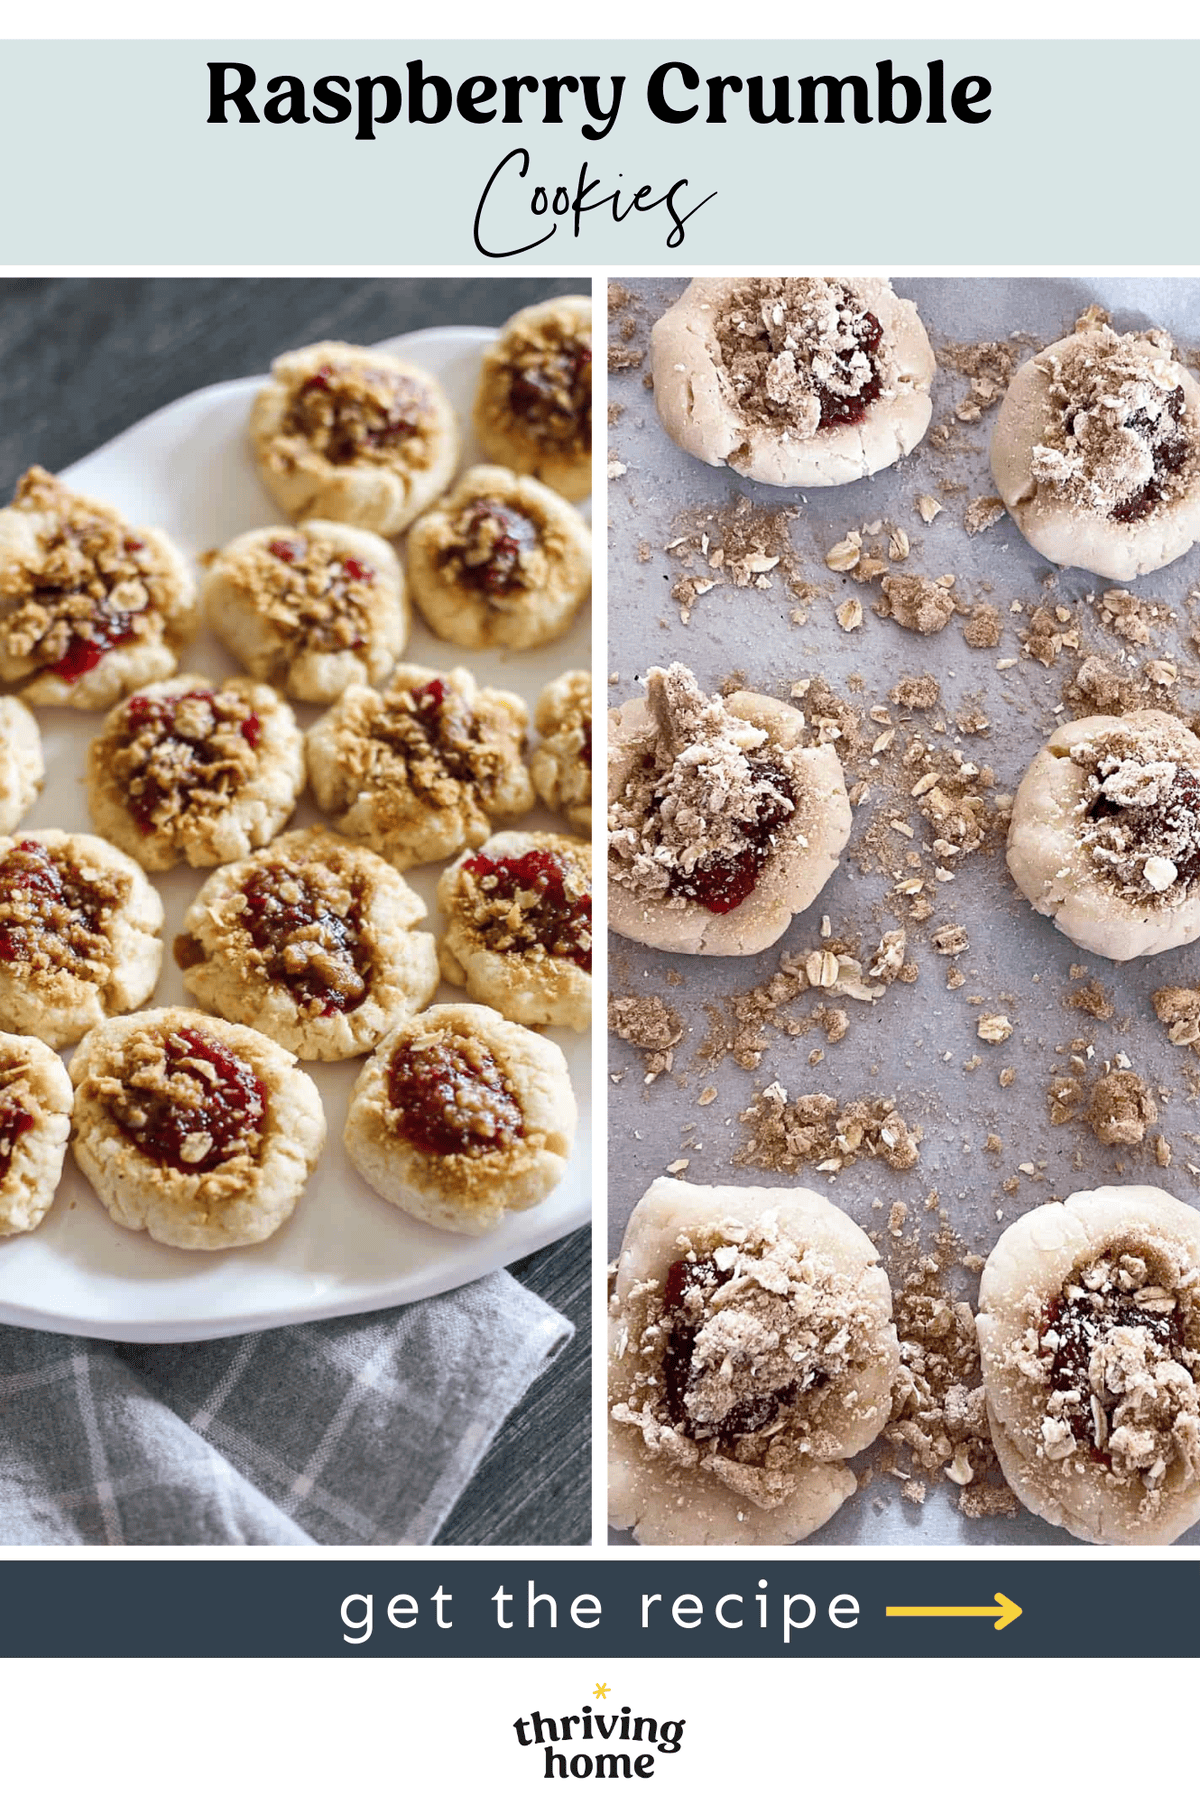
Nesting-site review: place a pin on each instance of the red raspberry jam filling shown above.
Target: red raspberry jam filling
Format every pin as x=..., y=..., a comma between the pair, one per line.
x=747, y=1416
x=317, y=954
x=722, y=881
x=550, y=915
x=452, y=1097
x=206, y=1107
x=181, y=763
x=495, y=535
x=553, y=394
x=48, y=910
x=349, y=412
x=848, y=410
x=15, y=1120
x=107, y=628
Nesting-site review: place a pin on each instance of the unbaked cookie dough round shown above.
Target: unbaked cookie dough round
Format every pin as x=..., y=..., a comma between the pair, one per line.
x=533, y=407
x=461, y=1117
x=721, y=826
x=1089, y=1334
x=419, y=771
x=189, y=770
x=22, y=766
x=1105, y=833
x=800, y=381
x=309, y=941
x=1096, y=452
x=561, y=764
x=310, y=608
x=500, y=561
x=519, y=928
x=345, y=433
x=79, y=934
x=199, y=1131
x=35, y=1123
x=89, y=605
x=751, y=1353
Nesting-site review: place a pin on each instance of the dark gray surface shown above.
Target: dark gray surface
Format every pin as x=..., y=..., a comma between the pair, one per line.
x=80, y=360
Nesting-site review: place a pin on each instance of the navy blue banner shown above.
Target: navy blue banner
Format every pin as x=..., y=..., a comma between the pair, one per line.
x=967, y=1609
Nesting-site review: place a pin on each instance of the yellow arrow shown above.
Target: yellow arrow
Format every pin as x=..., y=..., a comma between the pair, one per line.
x=1007, y=1613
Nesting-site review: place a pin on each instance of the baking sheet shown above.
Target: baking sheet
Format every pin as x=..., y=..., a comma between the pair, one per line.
x=915, y=1043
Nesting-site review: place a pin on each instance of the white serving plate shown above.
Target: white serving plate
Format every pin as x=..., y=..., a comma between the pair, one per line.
x=188, y=470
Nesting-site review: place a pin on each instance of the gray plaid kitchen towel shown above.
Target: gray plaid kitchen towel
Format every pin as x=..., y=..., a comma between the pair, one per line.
x=363, y=1430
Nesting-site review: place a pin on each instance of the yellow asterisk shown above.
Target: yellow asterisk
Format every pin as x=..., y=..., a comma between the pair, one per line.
x=600, y=1692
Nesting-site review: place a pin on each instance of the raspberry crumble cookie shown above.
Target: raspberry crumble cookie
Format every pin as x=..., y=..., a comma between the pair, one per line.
x=461, y=1117
x=22, y=766
x=1089, y=1334
x=309, y=941
x=419, y=771
x=89, y=605
x=345, y=433
x=500, y=561
x=35, y=1122
x=183, y=770
x=533, y=408
x=199, y=1131
x=1105, y=833
x=519, y=928
x=310, y=608
x=79, y=934
x=561, y=764
x=721, y=826
x=800, y=381
x=751, y=1353
x=1096, y=452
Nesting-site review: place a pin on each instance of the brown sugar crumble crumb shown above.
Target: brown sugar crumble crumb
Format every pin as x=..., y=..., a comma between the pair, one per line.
x=939, y=1419
x=818, y=1130
x=1121, y=1109
x=919, y=693
x=650, y=1025
x=983, y=513
x=981, y=629
x=1092, y=999
x=801, y=350
x=920, y=604
x=1178, y=1009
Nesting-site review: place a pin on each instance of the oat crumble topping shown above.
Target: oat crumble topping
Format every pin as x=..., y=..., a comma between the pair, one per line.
x=176, y=759
x=52, y=917
x=802, y=351
x=91, y=587
x=350, y=413
x=1121, y=444
x=314, y=596
x=700, y=809
x=447, y=1095
x=1141, y=812
x=743, y=1347
x=188, y=1101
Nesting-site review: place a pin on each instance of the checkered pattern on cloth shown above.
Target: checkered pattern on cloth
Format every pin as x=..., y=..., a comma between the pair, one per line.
x=363, y=1430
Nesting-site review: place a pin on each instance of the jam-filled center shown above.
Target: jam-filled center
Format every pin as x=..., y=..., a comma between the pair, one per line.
x=687, y=1278
x=845, y=395
x=310, y=938
x=533, y=899
x=551, y=392
x=347, y=412
x=319, y=595
x=452, y=1097
x=494, y=536
x=1081, y=1321
x=1163, y=834
x=186, y=751
x=50, y=912
x=193, y=1107
x=434, y=732
x=15, y=1120
x=723, y=880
